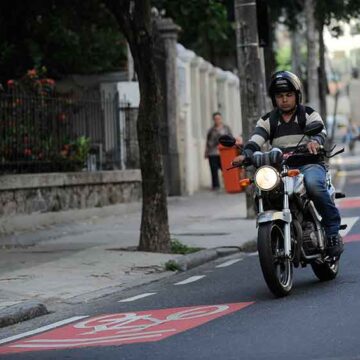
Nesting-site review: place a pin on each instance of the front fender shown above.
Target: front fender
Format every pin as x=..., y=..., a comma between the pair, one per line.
x=272, y=215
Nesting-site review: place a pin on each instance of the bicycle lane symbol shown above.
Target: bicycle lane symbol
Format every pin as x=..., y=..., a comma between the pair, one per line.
x=123, y=328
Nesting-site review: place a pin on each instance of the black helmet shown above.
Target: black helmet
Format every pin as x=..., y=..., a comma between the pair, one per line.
x=283, y=81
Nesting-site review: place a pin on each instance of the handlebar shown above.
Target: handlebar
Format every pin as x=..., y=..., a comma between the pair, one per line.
x=246, y=163
x=301, y=151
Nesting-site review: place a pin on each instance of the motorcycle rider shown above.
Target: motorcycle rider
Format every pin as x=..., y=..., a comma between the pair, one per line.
x=283, y=128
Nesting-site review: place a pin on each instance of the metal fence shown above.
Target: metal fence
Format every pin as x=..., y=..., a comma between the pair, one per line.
x=66, y=133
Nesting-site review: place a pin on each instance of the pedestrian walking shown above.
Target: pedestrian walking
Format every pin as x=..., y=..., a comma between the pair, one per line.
x=211, y=151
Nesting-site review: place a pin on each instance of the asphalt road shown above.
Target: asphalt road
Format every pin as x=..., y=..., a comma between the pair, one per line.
x=232, y=314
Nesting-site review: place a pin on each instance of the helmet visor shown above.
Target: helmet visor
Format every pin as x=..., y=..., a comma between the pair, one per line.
x=282, y=85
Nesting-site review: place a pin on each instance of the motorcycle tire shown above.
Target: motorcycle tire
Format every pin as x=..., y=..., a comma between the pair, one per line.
x=278, y=274
x=325, y=271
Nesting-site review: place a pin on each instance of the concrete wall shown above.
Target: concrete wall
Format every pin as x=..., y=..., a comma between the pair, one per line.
x=25, y=194
x=202, y=90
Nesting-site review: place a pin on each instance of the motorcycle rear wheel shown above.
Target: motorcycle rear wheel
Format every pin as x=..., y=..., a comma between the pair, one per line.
x=325, y=271
x=277, y=271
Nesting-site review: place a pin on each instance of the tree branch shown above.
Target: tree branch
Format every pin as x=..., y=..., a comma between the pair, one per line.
x=121, y=9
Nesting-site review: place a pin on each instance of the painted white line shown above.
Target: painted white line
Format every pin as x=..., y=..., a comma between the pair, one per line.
x=228, y=263
x=42, y=329
x=190, y=280
x=253, y=254
x=350, y=221
x=137, y=297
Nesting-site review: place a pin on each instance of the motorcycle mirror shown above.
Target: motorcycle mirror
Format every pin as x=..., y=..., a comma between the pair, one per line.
x=227, y=140
x=313, y=128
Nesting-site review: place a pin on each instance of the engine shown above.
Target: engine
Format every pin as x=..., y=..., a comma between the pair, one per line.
x=310, y=240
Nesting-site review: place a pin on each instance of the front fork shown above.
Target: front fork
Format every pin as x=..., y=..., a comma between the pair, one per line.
x=286, y=217
x=286, y=210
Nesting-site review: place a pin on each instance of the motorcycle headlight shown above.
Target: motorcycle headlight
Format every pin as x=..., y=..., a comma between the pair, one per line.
x=267, y=178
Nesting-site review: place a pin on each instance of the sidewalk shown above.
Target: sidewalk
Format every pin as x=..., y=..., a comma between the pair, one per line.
x=78, y=255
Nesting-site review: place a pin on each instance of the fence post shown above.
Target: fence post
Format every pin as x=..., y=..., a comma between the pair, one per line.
x=168, y=31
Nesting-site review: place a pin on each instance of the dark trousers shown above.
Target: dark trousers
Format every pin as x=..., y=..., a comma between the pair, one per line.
x=215, y=166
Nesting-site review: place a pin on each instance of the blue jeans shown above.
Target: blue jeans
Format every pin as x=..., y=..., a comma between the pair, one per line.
x=315, y=183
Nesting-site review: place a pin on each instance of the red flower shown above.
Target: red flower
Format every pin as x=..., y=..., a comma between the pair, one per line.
x=31, y=73
x=62, y=117
x=27, y=152
x=10, y=83
x=64, y=153
x=49, y=82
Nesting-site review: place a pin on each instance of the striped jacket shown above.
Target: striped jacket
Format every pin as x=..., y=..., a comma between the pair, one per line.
x=286, y=135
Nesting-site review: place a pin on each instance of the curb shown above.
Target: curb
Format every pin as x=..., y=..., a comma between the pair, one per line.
x=187, y=262
x=21, y=312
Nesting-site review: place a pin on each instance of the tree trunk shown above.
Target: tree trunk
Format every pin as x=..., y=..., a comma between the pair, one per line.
x=134, y=19
x=252, y=86
x=269, y=55
x=322, y=72
x=312, y=55
x=296, y=53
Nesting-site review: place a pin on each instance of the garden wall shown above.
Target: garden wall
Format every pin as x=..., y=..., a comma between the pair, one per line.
x=28, y=193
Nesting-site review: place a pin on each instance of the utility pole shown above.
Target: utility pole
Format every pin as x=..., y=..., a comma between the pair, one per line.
x=312, y=55
x=251, y=73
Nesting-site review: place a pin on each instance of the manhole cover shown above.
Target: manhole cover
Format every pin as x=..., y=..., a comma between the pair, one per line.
x=202, y=234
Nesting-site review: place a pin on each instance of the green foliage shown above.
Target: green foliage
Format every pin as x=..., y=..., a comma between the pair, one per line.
x=36, y=126
x=172, y=265
x=287, y=11
x=81, y=148
x=283, y=58
x=205, y=26
x=66, y=36
x=177, y=247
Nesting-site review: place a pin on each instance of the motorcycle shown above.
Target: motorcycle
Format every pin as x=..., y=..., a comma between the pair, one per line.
x=290, y=233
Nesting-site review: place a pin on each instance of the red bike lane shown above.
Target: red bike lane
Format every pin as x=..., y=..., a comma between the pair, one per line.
x=122, y=328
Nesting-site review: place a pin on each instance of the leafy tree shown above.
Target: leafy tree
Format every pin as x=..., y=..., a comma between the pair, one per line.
x=205, y=25
x=65, y=36
x=326, y=12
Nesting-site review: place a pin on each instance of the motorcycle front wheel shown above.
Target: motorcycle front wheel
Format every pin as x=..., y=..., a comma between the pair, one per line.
x=277, y=270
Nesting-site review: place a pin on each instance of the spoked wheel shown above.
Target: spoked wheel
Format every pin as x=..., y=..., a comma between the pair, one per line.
x=277, y=270
x=326, y=270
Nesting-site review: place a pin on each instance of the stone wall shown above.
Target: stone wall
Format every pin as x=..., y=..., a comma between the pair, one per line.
x=25, y=194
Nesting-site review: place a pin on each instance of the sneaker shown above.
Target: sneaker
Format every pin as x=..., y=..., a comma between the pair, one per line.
x=335, y=245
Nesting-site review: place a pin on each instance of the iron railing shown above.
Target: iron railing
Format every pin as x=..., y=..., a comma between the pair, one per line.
x=66, y=133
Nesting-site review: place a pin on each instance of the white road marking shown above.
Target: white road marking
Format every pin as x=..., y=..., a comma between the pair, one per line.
x=137, y=297
x=350, y=221
x=190, y=280
x=42, y=329
x=228, y=263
